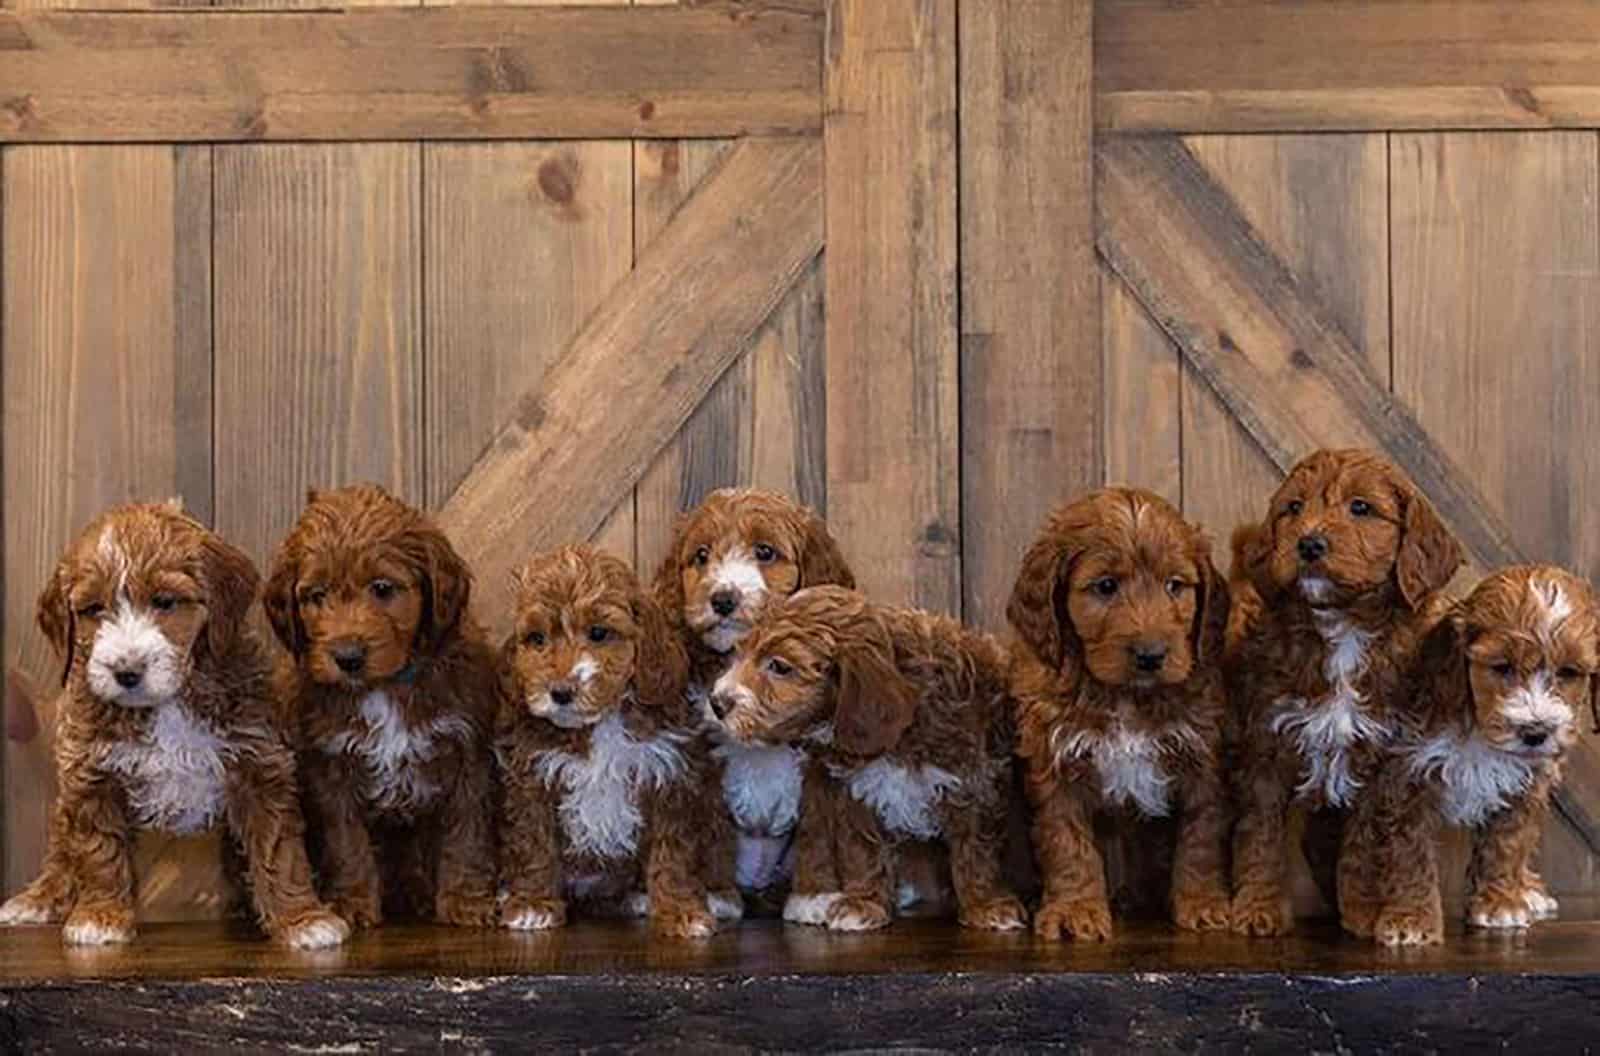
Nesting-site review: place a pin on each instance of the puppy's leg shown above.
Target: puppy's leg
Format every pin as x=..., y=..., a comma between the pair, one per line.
x=1073, y=871
x=1502, y=854
x=1199, y=882
x=264, y=814
x=1396, y=827
x=719, y=853
x=677, y=897
x=99, y=850
x=466, y=895
x=976, y=831
x=530, y=855
x=816, y=879
x=861, y=854
x=348, y=866
x=49, y=898
x=1260, y=906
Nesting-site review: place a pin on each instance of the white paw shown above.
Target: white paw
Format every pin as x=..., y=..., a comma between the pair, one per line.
x=810, y=909
x=23, y=910
x=1541, y=905
x=906, y=896
x=534, y=920
x=635, y=905
x=699, y=929
x=725, y=907
x=94, y=933
x=317, y=934
x=1501, y=918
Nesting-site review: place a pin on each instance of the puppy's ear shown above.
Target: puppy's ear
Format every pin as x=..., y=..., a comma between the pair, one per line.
x=1211, y=614
x=1252, y=560
x=821, y=561
x=232, y=582
x=1440, y=679
x=1429, y=554
x=875, y=702
x=667, y=587
x=661, y=665
x=280, y=603
x=55, y=617
x=448, y=585
x=1037, y=610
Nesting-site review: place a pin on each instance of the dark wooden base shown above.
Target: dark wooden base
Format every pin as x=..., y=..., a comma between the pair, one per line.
x=606, y=986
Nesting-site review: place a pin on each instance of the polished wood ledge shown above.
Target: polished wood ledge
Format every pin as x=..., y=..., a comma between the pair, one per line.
x=612, y=986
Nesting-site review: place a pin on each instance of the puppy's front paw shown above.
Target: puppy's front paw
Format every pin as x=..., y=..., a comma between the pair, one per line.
x=465, y=911
x=852, y=913
x=684, y=922
x=358, y=910
x=1405, y=927
x=1496, y=912
x=1083, y=919
x=315, y=931
x=997, y=914
x=725, y=905
x=1201, y=911
x=533, y=914
x=1263, y=917
x=98, y=926
x=810, y=909
x=25, y=909
x=1541, y=904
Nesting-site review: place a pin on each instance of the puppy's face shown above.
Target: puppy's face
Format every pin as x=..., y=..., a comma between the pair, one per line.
x=780, y=686
x=139, y=598
x=738, y=551
x=1346, y=524
x=578, y=641
x=1531, y=639
x=364, y=586
x=1121, y=583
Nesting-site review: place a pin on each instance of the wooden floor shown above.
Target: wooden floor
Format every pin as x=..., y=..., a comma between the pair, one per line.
x=611, y=986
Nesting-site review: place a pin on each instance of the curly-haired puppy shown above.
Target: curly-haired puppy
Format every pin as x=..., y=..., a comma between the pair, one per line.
x=167, y=723
x=1119, y=615
x=730, y=557
x=1346, y=568
x=605, y=780
x=394, y=690
x=909, y=715
x=1494, y=697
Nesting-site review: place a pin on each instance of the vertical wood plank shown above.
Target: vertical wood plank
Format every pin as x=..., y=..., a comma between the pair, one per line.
x=106, y=381
x=1143, y=411
x=1031, y=392
x=318, y=351
x=892, y=393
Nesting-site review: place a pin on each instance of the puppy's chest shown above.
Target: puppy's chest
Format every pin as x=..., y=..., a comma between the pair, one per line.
x=396, y=756
x=1132, y=766
x=176, y=773
x=1473, y=780
x=1337, y=732
x=601, y=792
x=905, y=797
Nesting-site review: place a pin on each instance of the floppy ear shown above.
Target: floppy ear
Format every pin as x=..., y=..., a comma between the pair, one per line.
x=232, y=581
x=1037, y=611
x=54, y=616
x=1429, y=554
x=667, y=588
x=448, y=586
x=1252, y=559
x=821, y=561
x=1439, y=675
x=875, y=703
x=1211, y=614
x=661, y=665
x=280, y=603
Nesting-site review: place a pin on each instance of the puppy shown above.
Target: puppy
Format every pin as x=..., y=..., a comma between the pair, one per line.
x=167, y=723
x=729, y=558
x=1346, y=568
x=394, y=689
x=605, y=780
x=1495, y=695
x=1117, y=675
x=908, y=714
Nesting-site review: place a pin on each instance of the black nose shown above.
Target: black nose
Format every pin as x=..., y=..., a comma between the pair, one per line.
x=1312, y=547
x=723, y=602
x=561, y=695
x=1149, y=656
x=127, y=678
x=1534, y=738
x=720, y=706
x=351, y=657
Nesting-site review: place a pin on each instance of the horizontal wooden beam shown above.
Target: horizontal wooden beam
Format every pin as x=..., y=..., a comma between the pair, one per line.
x=717, y=68
x=1289, y=65
x=644, y=360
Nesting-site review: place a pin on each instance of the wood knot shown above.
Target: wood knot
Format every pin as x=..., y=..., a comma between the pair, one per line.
x=558, y=179
x=647, y=110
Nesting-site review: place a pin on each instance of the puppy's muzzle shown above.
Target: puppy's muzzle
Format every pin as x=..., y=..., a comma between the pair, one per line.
x=1148, y=657
x=350, y=657
x=722, y=705
x=1534, y=736
x=725, y=601
x=562, y=694
x=1312, y=548
x=128, y=676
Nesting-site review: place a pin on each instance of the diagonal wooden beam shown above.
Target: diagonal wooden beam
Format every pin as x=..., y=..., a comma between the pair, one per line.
x=1274, y=355
x=642, y=362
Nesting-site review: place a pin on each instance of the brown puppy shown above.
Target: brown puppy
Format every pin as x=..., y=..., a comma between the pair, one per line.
x=909, y=715
x=1496, y=694
x=1346, y=569
x=168, y=724
x=393, y=688
x=730, y=557
x=605, y=780
x=1117, y=676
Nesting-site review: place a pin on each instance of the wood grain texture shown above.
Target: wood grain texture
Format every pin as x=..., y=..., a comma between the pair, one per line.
x=107, y=390
x=1497, y=350
x=318, y=329
x=894, y=492
x=693, y=302
x=714, y=69
x=1284, y=65
x=1143, y=403
x=1031, y=378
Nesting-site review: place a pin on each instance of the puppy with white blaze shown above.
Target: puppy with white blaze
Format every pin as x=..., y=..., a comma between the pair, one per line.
x=1497, y=692
x=167, y=723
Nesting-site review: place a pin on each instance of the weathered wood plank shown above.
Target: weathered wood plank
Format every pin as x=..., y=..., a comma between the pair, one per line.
x=1031, y=377
x=1285, y=65
x=894, y=492
x=107, y=392
x=715, y=69
x=1143, y=399
x=692, y=304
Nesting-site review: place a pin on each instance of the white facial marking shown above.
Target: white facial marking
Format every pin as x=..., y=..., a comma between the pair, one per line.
x=1554, y=609
x=394, y=754
x=110, y=550
x=903, y=797
x=1477, y=780
x=317, y=934
x=1537, y=703
x=1315, y=589
x=129, y=640
x=1130, y=763
x=1325, y=731
x=739, y=571
x=810, y=909
x=600, y=791
x=175, y=773
x=585, y=669
x=729, y=686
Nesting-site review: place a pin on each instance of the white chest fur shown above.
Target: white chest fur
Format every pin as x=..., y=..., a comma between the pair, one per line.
x=1476, y=780
x=1130, y=764
x=394, y=754
x=599, y=808
x=905, y=798
x=175, y=774
x=1326, y=730
x=761, y=787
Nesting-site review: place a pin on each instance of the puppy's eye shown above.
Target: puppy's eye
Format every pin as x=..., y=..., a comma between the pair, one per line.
x=764, y=553
x=1360, y=508
x=702, y=554
x=1294, y=507
x=382, y=589
x=1567, y=673
x=92, y=611
x=1176, y=586
x=164, y=602
x=536, y=639
x=779, y=667
x=1503, y=669
x=1105, y=586
x=314, y=596
x=597, y=633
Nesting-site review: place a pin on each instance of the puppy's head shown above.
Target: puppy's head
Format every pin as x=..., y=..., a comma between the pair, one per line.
x=586, y=636
x=735, y=552
x=818, y=665
x=1119, y=583
x=1522, y=656
x=363, y=586
x=140, y=598
x=1346, y=525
